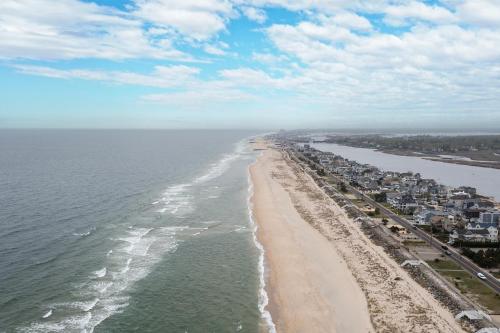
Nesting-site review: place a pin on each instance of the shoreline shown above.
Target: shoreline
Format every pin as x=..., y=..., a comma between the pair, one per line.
x=263, y=296
x=322, y=271
x=301, y=295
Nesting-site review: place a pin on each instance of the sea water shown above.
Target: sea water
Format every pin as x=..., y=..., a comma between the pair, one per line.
x=128, y=231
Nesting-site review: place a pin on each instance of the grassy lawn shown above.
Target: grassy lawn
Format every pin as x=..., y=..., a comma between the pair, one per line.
x=468, y=284
x=444, y=264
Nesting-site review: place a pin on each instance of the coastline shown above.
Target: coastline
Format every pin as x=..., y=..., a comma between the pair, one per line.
x=323, y=274
x=263, y=296
x=302, y=297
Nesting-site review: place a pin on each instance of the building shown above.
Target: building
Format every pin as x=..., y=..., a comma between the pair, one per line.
x=479, y=236
x=405, y=203
x=489, y=217
x=425, y=216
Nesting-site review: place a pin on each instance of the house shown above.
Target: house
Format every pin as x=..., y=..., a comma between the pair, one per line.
x=482, y=235
x=491, y=228
x=425, y=216
x=467, y=189
x=489, y=217
x=405, y=203
x=451, y=222
x=457, y=199
x=480, y=226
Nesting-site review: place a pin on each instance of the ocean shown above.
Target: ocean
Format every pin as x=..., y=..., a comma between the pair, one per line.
x=128, y=231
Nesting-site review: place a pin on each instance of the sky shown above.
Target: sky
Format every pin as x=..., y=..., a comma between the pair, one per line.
x=266, y=64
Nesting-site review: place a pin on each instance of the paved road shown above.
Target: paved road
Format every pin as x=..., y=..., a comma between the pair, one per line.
x=462, y=261
x=465, y=263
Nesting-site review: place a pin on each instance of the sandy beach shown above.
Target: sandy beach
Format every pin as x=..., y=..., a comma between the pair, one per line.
x=322, y=273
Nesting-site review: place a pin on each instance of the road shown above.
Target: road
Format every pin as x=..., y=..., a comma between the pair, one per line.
x=462, y=261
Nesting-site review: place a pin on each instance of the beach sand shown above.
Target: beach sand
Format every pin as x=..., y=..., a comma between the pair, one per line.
x=322, y=273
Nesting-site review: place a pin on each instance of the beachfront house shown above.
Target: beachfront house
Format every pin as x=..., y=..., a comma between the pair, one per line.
x=405, y=203
x=425, y=216
x=492, y=229
x=475, y=235
x=489, y=217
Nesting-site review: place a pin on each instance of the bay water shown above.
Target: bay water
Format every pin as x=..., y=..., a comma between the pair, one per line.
x=485, y=180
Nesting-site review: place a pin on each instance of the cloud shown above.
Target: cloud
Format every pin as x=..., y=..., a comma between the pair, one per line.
x=480, y=12
x=337, y=56
x=415, y=10
x=202, y=98
x=429, y=66
x=255, y=14
x=70, y=29
x=214, y=50
x=350, y=20
x=162, y=76
x=270, y=58
x=194, y=19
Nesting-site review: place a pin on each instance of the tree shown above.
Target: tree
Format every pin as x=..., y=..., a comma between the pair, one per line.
x=380, y=197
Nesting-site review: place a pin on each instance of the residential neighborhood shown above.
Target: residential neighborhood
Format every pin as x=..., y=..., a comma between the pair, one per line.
x=460, y=214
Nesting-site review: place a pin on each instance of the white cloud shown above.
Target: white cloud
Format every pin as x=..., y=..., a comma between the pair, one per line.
x=480, y=12
x=70, y=29
x=350, y=20
x=255, y=14
x=162, y=76
x=201, y=98
x=214, y=50
x=195, y=19
x=415, y=10
x=270, y=59
x=336, y=58
x=428, y=66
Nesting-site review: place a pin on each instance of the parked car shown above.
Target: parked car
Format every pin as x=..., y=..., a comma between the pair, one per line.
x=444, y=247
x=481, y=276
x=448, y=253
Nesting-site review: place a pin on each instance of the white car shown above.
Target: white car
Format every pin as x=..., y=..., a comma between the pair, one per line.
x=481, y=276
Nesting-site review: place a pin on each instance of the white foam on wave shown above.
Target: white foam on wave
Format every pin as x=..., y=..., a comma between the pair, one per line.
x=263, y=297
x=75, y=323
x=219, y=168
x=84, y=234
x=101, y=273
x=136, y=253
x=98, y=299
x=177, y=199
x=47, y=314
x=101, y=287
x=240, y=228
x=135, y=240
